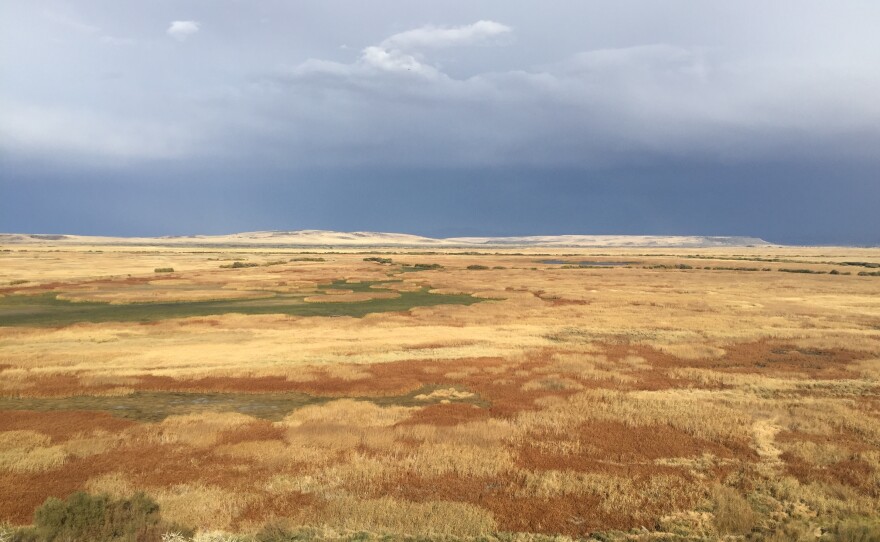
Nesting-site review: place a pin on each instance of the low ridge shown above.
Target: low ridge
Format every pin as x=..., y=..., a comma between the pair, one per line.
x=312, y=238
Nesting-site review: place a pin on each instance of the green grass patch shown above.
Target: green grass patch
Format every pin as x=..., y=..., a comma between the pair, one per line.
x=870, y=265
x=806, y=271
x=239, y=265
x=378, y=260
x=155, y=406
x=47, y=310
x=421, y=267
x=726, y=268
x=853, y=530
x=164, y=270
x=670, y=266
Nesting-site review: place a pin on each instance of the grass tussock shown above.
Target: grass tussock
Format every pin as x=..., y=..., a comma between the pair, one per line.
x=348, y=413
x=197, y=430
x=29, y=451
x=733, y=515
x=201, y=507
x=386, y=515
x=115, y=484
x=854, y=530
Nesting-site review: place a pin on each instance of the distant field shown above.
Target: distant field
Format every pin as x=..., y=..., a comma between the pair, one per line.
x=648, y=394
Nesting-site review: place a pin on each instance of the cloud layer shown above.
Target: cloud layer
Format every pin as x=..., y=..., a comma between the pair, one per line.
x=433, y=37
x=593, y=90
x=594, y=108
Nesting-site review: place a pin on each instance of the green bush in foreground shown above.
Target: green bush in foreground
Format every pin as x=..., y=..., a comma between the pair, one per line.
x=97, y=518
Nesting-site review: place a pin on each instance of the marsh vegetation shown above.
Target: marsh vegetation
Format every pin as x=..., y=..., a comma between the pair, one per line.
x=48, y=309
x=318, y=398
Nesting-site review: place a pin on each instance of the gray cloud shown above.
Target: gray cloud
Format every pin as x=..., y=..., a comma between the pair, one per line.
x=569, y=85
x=69, y=21
x=595, y=108
x=433, y=37
x=401, y=52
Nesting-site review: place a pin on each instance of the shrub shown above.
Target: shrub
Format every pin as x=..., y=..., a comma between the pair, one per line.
x=666, y=266
x=164, y=270
x=308, y=259
x=277, y=532
x=862, y=264
x=98, y=518
x=424, y=266
x=733, y=513
x=378, y=260
x=855, y=530
x=811, y=271
x=239, y=265
x=869, y=273
x=476, y=267
x=18, y=281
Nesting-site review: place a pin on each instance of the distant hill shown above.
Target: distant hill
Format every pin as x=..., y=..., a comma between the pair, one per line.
x=321, y=238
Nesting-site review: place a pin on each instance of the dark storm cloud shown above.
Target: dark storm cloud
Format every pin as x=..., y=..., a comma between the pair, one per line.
x=784, y=204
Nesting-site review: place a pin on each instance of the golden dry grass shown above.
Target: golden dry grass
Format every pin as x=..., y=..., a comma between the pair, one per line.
x=388, y=515
x=699, y=401
x=28, y=451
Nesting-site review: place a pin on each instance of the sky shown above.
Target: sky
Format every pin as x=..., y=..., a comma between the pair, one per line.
x=442, y=118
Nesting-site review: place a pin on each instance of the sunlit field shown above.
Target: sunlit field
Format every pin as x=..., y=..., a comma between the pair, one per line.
x=271, y=394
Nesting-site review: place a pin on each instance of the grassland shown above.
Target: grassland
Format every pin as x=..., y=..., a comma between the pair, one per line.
x=685, y=394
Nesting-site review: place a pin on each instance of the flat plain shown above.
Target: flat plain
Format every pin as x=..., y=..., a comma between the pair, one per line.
x=703, y=393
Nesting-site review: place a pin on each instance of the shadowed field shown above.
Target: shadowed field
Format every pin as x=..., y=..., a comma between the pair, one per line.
x=650, y=394
x=155, y=406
